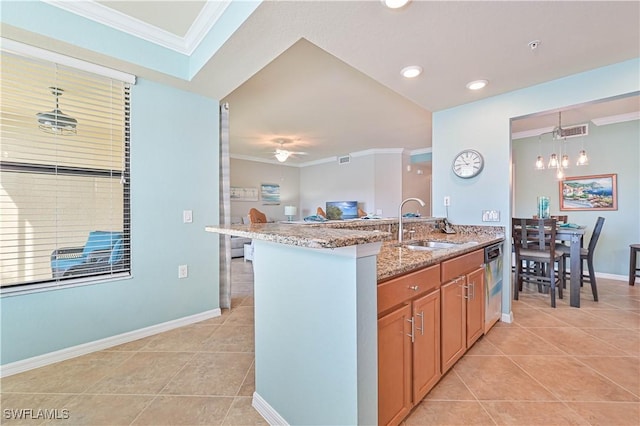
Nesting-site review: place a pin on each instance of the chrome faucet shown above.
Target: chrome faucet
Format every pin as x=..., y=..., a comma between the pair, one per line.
x=400, y=215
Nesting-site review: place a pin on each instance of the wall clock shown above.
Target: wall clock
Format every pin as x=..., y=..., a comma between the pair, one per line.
x=468, y=164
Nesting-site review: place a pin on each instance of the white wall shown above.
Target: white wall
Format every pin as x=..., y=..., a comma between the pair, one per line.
x=252, y=174
x=334, y=182
x=612, y=149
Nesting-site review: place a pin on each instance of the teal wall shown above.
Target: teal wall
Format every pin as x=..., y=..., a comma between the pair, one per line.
x=174, y=166
x=612, y=149
x=485, y=126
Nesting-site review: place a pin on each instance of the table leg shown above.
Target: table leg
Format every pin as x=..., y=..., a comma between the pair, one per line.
x=575, y=271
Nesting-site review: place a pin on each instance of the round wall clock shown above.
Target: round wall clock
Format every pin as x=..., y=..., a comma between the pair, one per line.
x=468, y=164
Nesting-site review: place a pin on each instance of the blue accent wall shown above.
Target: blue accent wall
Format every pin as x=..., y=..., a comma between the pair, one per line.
x=174, y=167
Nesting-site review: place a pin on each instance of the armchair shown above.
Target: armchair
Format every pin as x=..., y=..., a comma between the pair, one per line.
x=103, y=251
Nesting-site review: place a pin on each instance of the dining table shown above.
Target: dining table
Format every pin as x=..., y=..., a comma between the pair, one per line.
x=574, y=235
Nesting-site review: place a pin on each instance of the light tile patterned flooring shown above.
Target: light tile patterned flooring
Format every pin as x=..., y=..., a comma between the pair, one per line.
x=550, y=367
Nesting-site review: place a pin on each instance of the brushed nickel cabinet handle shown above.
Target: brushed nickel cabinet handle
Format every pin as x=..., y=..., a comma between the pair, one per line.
x=414, y=287
x=421, y=328
x=413, y=334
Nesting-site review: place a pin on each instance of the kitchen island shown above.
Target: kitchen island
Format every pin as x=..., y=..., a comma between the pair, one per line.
x=316, y=311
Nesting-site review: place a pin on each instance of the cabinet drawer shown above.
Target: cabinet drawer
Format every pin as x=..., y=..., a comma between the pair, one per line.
x=398, y=290
x=461, y=265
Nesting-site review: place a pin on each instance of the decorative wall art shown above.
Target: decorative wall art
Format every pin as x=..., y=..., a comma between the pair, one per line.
x=597, y=192
x=237, y=193
x=270, y=194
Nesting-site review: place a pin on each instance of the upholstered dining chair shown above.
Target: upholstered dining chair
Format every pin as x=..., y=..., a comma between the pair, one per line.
x=586, y=254
x=256, y=216
x=534, y=242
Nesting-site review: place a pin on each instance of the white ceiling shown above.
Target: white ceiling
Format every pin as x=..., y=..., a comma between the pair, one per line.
x=325, y=74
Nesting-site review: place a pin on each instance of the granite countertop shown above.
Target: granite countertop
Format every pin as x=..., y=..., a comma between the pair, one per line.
x=393, y=260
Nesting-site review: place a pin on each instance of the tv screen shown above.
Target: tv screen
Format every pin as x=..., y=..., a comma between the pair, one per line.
x=338, y=210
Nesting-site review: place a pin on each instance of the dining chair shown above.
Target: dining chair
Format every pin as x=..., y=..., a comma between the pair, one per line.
x=561, y=218
x=586, y=254
x=534, y=242
x=256, y=216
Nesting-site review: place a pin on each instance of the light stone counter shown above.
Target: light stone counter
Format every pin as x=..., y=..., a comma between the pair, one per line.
x=392, y=260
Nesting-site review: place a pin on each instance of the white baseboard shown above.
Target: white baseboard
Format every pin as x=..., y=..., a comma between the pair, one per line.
x=508, y=318
x=98, y=345
x=267, y=412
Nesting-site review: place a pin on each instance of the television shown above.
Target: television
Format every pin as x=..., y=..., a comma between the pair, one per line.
x=339, y=210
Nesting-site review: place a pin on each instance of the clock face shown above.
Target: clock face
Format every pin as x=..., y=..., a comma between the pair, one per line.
x=468, y=164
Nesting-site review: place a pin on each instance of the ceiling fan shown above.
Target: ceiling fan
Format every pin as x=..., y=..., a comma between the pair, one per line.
x=282, y=154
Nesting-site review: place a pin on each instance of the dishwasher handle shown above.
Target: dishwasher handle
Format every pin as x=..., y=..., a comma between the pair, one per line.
x=492, y=252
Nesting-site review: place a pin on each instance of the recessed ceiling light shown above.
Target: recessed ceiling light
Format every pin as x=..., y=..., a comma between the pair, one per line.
x=477, y=84
x=394, y=4
x=411, y=71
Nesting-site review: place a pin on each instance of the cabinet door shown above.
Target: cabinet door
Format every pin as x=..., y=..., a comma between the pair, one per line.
x=426, y=346
x=475, y=305
x=453, y=322
x=394, y=366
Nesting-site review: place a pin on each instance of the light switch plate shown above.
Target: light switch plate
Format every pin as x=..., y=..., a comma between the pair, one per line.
x=187, y=216
x=183, y=271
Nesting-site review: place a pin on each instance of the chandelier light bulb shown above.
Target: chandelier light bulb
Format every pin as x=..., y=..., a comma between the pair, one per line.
x=553, y=161
x=560, y=173
x=583, y=160
x=540, y=163
x=565, y=161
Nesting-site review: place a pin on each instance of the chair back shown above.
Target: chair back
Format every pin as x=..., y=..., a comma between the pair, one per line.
x=534, y=237
x=596, y=235
x=561, y=218
x=102, y=241
x=256, y=216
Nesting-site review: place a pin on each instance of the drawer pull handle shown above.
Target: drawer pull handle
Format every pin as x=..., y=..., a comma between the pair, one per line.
x=414, y=287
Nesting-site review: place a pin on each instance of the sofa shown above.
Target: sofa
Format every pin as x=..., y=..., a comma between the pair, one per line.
x=237, y=243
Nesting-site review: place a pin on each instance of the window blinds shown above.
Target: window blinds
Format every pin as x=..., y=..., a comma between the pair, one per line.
x=62, y=189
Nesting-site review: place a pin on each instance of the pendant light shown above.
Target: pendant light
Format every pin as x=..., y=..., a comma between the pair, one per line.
x=583, y=160
x=539, y=160
x=56, y=121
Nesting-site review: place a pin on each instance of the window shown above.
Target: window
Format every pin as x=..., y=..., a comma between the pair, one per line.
x=64, y=175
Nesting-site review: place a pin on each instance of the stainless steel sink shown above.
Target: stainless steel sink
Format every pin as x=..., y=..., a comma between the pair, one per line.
x=429, y=245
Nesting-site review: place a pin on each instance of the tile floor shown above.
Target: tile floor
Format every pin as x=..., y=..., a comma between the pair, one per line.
x=550, y=367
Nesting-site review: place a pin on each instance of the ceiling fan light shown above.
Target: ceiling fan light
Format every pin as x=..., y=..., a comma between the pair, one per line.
x=56, y=121
x=395, y=4
x=282, y=155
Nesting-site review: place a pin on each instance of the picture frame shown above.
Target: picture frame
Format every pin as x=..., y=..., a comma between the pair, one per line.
x=238, y=193
x=595, y=192
x=270, y=193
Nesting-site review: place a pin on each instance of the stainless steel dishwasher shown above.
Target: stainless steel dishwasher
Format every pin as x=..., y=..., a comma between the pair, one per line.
x=493, y=284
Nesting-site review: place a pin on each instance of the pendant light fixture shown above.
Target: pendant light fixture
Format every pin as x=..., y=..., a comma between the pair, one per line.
x=56, y=121
x=583, y=160
x=540, y=160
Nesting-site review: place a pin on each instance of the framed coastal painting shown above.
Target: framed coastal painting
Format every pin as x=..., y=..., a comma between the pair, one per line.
x=270, y=193
x=596, y=192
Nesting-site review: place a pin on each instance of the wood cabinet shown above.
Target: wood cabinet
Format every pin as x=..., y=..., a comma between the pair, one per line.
x=408, y=342
x=462, y=306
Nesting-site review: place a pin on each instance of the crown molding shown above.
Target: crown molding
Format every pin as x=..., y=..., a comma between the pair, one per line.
x=619, y=118
x=209, y=15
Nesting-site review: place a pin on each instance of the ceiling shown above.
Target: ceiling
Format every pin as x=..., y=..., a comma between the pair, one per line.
x=324, y=76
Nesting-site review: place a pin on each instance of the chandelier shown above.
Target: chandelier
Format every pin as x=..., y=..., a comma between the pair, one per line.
x=559, y=162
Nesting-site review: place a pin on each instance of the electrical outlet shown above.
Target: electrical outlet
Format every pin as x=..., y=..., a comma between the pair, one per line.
x=491, y=215
x=447, y=201
x=187, y=216
x=183, y=271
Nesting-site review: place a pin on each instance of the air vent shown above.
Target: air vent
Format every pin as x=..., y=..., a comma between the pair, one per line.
x=345, y=159
x=572, y=132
